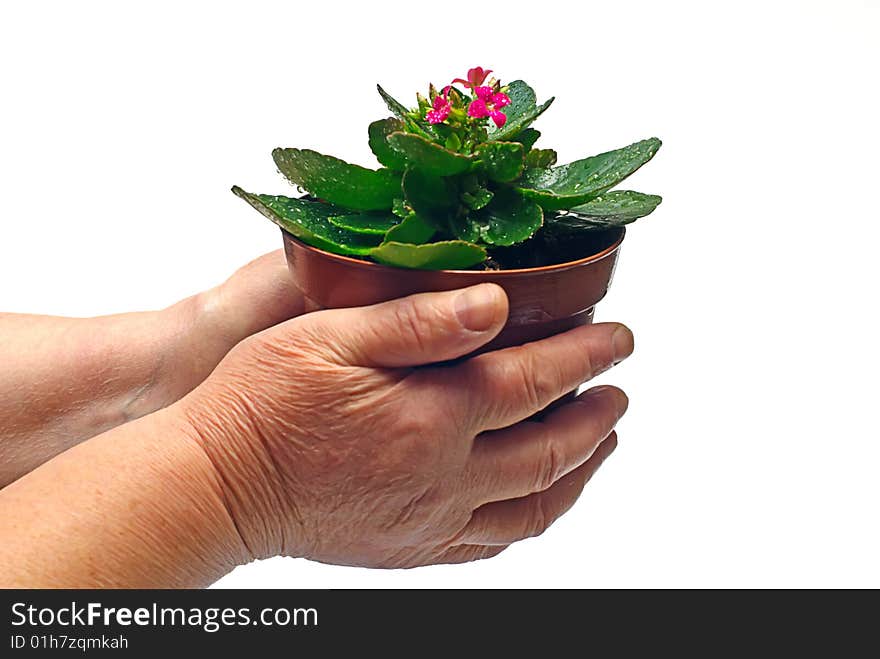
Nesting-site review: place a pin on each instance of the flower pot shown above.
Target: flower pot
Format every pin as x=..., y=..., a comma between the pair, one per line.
x=543, y=300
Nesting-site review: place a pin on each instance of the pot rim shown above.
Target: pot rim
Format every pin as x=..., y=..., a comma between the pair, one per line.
x=557, y=267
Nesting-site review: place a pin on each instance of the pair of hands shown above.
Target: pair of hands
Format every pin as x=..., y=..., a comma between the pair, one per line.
x=336, y=440
x=233, y=426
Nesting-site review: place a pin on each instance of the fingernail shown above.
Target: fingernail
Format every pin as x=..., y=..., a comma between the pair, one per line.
x=621, y=343
x=477, y=307
x=621, y=400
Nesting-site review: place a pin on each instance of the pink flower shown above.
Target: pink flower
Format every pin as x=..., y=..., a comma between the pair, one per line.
x=441, y=109
x=488, y=104
x=476, y=76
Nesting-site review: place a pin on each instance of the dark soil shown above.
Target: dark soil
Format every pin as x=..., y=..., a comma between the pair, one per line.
x=545, y=249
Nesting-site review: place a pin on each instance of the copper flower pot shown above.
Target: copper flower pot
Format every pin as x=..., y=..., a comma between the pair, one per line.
x=543, y=301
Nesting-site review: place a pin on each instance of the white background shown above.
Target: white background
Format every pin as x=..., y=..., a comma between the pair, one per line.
x=751, y=451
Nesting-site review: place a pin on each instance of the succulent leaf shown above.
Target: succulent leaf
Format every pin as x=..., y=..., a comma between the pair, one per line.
x=428, y=156
x=400, y=208
x=611, y=209
x=570, y=185
x=370, y=223
x=445, y=255
x=527, y=138
x=414, y=229
x=400, y=111
x=508, y=219
x=379, y=132
x=477, y=199
x=540, y=158
x=397, y=108
x=310, y=222
x=337, y=181
x=463, y=227
x=521, y=112
x=502, y=161
x=432, y=197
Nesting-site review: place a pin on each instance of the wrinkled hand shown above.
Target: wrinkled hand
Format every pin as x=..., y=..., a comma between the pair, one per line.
x=332, y=441
x=257, y=296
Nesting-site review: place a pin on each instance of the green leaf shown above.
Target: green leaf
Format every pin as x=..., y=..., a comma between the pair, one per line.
x=337, y=181
x=573, y=184
x=453, y=142
x=414, y=229
x=521, y=112
x=477, y=199
x=430, y=196
x=611, y=209
x=397, y=108
x=446, y=255
x=524, y=120
x=310, y=222
x=463, y=227
x=400, y=111
x=527, y=138
x=423, y=154
x=540, y=158
x=509, y=219
x=400, y=209
x=522, y=99
x=502, y=161
x=369, y=223
x=379, y=132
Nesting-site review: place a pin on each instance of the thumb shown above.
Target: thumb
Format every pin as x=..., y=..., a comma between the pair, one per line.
x=415, y=330
x=259, y=295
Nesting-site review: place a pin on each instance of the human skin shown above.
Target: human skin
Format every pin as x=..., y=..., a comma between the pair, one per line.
x=64, y=380
x=329, y=436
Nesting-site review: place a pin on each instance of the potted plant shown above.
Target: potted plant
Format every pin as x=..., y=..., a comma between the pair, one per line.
x=463, y=196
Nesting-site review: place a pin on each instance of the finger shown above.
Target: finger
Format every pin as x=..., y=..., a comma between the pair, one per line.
x=257, y=296
x=468, y=553
x=531, y=456
x=507, y=386
x=504, y=522
x=415, y=330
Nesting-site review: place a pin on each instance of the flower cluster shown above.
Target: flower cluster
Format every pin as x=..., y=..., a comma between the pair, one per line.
x=442, y=108
x=486, y=99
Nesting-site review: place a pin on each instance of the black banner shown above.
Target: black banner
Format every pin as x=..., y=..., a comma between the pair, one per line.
x=398, y=622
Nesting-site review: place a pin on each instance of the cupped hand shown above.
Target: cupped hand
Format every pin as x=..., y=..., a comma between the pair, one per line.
x=346, y=436
x=257, y=296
